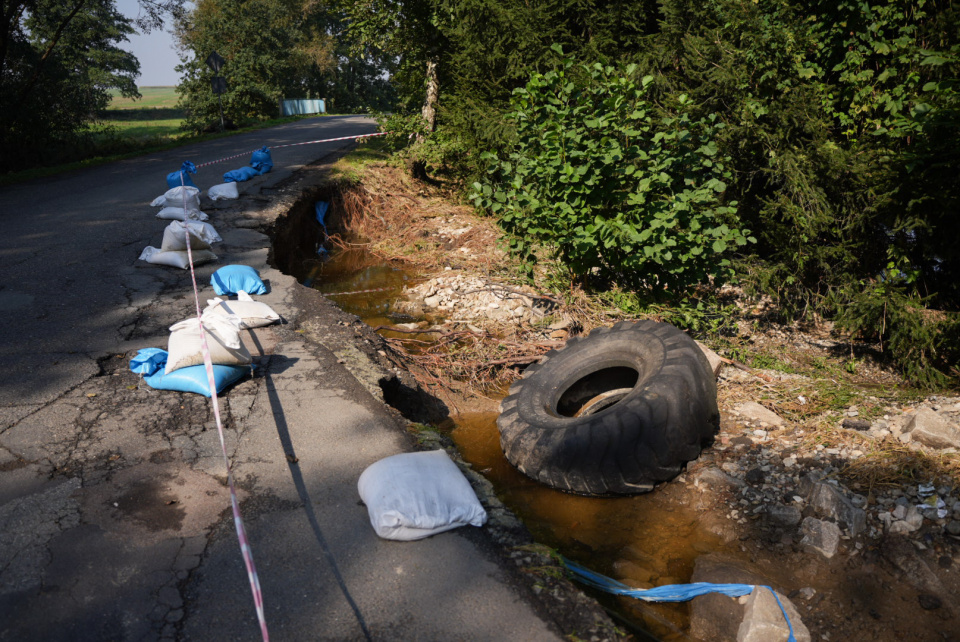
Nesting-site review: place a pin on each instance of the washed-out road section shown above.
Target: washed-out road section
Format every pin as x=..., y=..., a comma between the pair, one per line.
x=114, y=513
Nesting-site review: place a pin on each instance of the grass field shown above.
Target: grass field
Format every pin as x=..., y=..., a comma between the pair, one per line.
x=154, y=116
x=152, y=98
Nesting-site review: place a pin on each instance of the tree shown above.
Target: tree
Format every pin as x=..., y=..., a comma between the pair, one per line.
x=274, y=49
x=355, y=78
x=58, y=61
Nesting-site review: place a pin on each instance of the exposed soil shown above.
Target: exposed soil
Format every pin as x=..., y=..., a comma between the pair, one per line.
x=840, y=419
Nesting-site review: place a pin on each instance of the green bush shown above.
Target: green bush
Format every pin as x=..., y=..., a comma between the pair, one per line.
x=613, y=185
x=924, y=343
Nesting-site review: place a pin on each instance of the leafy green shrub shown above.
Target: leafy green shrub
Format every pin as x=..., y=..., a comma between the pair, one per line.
x=438, y=150
x=613, y=186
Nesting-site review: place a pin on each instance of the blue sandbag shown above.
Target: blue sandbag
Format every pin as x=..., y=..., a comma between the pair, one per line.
x=182, y=177
x=230, y=279
x=150, y=363
x=240, y=175
x=261, y=160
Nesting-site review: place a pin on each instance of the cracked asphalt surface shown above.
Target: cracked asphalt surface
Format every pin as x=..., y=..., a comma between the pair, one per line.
x=114, y=514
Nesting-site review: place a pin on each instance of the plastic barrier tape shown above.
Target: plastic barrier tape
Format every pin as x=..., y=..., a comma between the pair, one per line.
x=309, y=142
x=245, y=549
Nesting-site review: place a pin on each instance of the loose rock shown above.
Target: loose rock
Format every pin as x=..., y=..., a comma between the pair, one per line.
x=820, y=536
x=753, y=411
x=928, y=428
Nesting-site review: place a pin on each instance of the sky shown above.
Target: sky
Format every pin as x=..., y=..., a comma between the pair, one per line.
x=154, y=51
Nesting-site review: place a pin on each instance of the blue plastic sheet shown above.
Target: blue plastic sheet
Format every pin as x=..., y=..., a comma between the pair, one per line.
x=261, y=160
x=182, y=177
x=230, y=279
x=240, y=175
x=150, y=362
x=321, y=208
x=669, y=593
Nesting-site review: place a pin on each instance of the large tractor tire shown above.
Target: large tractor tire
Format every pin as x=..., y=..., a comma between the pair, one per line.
x=613, y=413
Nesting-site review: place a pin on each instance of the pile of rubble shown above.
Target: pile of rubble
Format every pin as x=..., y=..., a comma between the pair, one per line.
x=460, y=297
x=789, y=483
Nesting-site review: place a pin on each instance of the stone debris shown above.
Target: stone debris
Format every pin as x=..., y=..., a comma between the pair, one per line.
x=752, y=618
x=930, y=429
x=820, y=536
x=830, y=502
x=784, y=515
x=752, y=411
x=785, y=478
x=465, y=298
x=763, y=619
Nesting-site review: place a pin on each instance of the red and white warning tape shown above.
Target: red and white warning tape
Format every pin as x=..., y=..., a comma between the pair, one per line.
x=330, y=140
x=245, y=549
x=309, y=142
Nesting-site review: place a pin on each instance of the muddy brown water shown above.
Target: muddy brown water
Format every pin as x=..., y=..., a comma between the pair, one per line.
x=645, y=540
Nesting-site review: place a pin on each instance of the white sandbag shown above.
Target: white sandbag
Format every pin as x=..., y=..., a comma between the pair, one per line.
x=252, y=314
x=415, y=495
x=201, y=236
x=176, y=258
x=180, y=214
x=181, y=196
x=226, y=191
x=223, y=339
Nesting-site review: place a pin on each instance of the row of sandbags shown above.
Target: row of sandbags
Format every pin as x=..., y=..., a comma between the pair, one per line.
x=180, y=367
x=181, y=206
x=261, y=162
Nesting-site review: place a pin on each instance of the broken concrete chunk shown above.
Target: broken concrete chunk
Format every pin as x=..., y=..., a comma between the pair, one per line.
x=783, y=515
x=913, y=518
x=717, y=617
x=753, y=411
x=930, y=429
x=763, y=620
x=820, y=536
x=829, y=501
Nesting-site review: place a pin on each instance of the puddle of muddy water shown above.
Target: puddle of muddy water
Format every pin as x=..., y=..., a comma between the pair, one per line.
x=356, y=270
x=643, y=540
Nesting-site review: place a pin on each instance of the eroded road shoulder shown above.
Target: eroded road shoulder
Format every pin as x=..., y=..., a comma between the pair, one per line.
x=114, y=513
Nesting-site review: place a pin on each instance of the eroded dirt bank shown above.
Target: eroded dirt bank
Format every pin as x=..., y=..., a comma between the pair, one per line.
x=829, y=478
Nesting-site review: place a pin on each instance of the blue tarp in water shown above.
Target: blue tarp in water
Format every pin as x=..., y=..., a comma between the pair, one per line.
x=671, y=592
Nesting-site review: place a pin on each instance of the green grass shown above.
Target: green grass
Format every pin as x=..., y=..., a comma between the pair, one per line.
x=153, y=118
x=162, y=128
x=152, y=98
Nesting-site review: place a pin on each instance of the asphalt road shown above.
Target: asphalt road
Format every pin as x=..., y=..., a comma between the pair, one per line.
x=69, y=241
x=114, y=518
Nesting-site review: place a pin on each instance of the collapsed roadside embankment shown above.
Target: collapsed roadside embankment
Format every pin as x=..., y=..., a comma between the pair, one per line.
x=824, y=457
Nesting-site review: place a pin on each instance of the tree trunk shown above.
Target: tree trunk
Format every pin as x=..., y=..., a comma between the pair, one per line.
x=417, y=167
x=429, y=111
